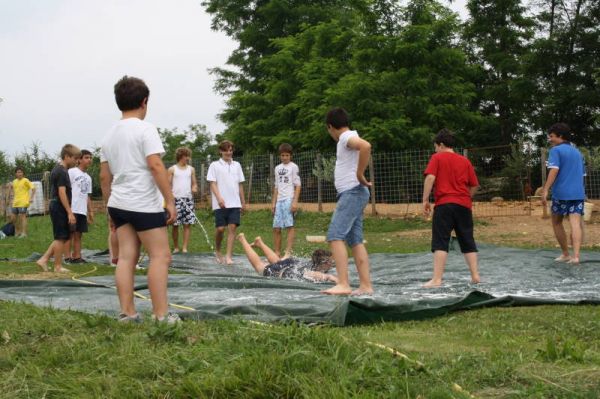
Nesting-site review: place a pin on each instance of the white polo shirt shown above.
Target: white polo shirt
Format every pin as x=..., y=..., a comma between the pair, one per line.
x=228, y=176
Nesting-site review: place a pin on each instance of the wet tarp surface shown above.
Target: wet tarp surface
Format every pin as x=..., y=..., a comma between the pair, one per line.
x=510, y=277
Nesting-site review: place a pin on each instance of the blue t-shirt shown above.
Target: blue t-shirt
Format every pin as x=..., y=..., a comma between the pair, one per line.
x=571, y=170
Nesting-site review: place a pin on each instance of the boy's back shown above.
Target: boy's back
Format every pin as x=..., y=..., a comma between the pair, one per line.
x=570, y=164
x=454, y=175
x=126, y=147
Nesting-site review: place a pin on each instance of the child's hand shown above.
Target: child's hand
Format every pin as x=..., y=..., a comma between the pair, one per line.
x=171, y=211
x=363, y=180
x=294, y=207
x=426, y=208
x=273, y=210
x=221, y=202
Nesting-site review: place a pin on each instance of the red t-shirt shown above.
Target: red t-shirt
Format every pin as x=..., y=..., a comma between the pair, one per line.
x=454, y=175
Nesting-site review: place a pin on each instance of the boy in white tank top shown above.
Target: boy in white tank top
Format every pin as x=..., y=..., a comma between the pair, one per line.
x=183, y=183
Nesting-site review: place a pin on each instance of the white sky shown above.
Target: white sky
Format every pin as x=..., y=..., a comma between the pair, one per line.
x=60, y=60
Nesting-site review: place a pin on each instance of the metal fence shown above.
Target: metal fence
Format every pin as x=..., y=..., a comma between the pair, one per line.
x=508, y=175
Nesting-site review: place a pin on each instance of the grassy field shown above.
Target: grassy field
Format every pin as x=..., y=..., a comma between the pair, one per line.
x=529, y=352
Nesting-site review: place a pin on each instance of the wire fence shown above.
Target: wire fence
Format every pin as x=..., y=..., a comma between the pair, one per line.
x=509, y=177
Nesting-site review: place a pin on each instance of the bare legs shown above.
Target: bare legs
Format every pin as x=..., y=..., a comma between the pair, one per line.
x=157, y=245
x=251, y=254
x=439, y=265
x=56, y=250
x=220, y=232
x=340, y=256
x=23, y=222
x=575, y=221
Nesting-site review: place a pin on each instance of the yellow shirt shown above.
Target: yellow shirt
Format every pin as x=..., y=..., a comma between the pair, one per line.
x=21, y=189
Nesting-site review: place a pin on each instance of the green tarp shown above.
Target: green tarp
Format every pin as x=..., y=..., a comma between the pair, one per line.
x=510, y=277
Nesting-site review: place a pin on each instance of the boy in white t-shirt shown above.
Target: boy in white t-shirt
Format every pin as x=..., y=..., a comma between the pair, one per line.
x=346, y=227
x=227, y=192
x=182, y=177
x=132, y=177
x=286, y=192
x=81, y=204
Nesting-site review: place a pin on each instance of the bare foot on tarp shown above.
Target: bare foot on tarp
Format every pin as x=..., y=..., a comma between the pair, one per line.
x=338, y=290
x=573, y=261
x=228, y=261
x=563, y=258
x=218, y=258
x=475, y=279
x=362, y=291
x=432, y=284
x=43, y=264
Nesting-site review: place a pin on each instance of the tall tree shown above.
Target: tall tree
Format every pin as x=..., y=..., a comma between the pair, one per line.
x=498, y=34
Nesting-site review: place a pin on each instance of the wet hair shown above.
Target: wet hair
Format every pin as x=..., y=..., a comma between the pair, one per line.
x=285, y=148
x=85, y=152
x=321, y=260
x=70, y=150
x=18, y=168
x=445, y=137
x=225, y=145
x=182, y=152
x=338, y=118
x=562, y=130
x=130, y=93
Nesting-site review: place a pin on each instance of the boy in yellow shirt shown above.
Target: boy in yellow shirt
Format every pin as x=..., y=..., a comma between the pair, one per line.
x=23, y=191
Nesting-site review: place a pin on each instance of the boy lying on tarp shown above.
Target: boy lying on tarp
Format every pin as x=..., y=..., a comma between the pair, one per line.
x=290, y=268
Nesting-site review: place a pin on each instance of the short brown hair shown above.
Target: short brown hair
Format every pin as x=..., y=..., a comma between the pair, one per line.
x=285, y=148
x=70, y=150
x=225, y=145
x=321, y=260
x=130, y=93
x=182, y=152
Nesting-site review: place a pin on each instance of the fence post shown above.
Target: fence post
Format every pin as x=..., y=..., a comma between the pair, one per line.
x=544, y=156
x=372, y=178
x=202, y=182
x=466, y=152
x=319, y=182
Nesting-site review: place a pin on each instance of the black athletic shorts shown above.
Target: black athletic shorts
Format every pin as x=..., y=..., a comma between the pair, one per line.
x=448, y=217
x=60, y=220
x=286, y=268
x=139, y=220
x=82, y=225
x=224, y=217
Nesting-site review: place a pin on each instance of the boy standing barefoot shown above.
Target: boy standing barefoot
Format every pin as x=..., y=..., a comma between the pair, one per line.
x=132, y=174
x=182, y=177
x=455, y=183
x=61, y=215
x=346, y=225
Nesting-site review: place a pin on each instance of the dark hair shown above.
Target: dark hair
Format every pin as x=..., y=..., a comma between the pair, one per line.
x=321, y=258
x=18, y=168
x=338, y=118
x=85, y=152
x=225, y=145
x=285, y=148
x=130, y=93
x=182, y=152
x=562, y=130
x=445, y=137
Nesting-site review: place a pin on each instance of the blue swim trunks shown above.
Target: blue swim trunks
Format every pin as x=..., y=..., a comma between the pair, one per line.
x=567, y=207
x=283, y=217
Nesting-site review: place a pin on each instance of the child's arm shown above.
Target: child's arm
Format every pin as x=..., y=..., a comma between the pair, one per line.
x=274, y=201
x=171, y=173
x=318, y=276
x=32, y=191
x=194, y=182
x=161, y=177
x=90, y=210
x=549, y=182
x=64, y=200
x=364, y=153
x=242, y=197
x=296, y=198
x=427, y=187
x=214, y=188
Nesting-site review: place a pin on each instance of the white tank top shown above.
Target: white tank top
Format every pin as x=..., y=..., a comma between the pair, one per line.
x=182, y=182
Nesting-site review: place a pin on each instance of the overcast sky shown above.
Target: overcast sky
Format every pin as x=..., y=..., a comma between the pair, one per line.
x=60, y=60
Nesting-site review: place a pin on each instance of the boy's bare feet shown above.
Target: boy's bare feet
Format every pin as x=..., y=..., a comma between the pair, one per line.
x=228, y=261
x=184, y=250
x=61, y=270
x=176, y=250
x=563, y=258
x=338, y=290
x=573, y=261
x=432, y=284
x=256, y=241
x=475, y=279
x=43, y=264
x=218, y=257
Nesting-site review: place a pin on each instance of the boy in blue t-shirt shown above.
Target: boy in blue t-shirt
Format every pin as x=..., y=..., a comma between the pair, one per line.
x=566, y=176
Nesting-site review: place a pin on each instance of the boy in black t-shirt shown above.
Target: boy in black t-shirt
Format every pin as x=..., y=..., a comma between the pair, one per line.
x=61, y=215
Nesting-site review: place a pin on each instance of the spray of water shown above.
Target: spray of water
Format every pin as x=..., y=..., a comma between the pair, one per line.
x=212, y=248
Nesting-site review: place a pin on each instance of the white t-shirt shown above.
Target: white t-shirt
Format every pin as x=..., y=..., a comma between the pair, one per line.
x=182, y=181
x=346, y=163
x=81, y=187
x=228, y=176
x=125, y=148
x=287, y=177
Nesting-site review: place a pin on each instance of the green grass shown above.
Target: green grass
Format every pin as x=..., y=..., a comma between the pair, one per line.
x=526, y=352
x=497, y=352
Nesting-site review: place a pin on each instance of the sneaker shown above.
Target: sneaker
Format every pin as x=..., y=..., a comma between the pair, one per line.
x=136, y=318
x=78, y=260
x=170, y=318
x=68, y=261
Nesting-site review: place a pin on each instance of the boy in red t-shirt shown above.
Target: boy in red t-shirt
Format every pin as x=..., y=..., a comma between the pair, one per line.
x=455, y=183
